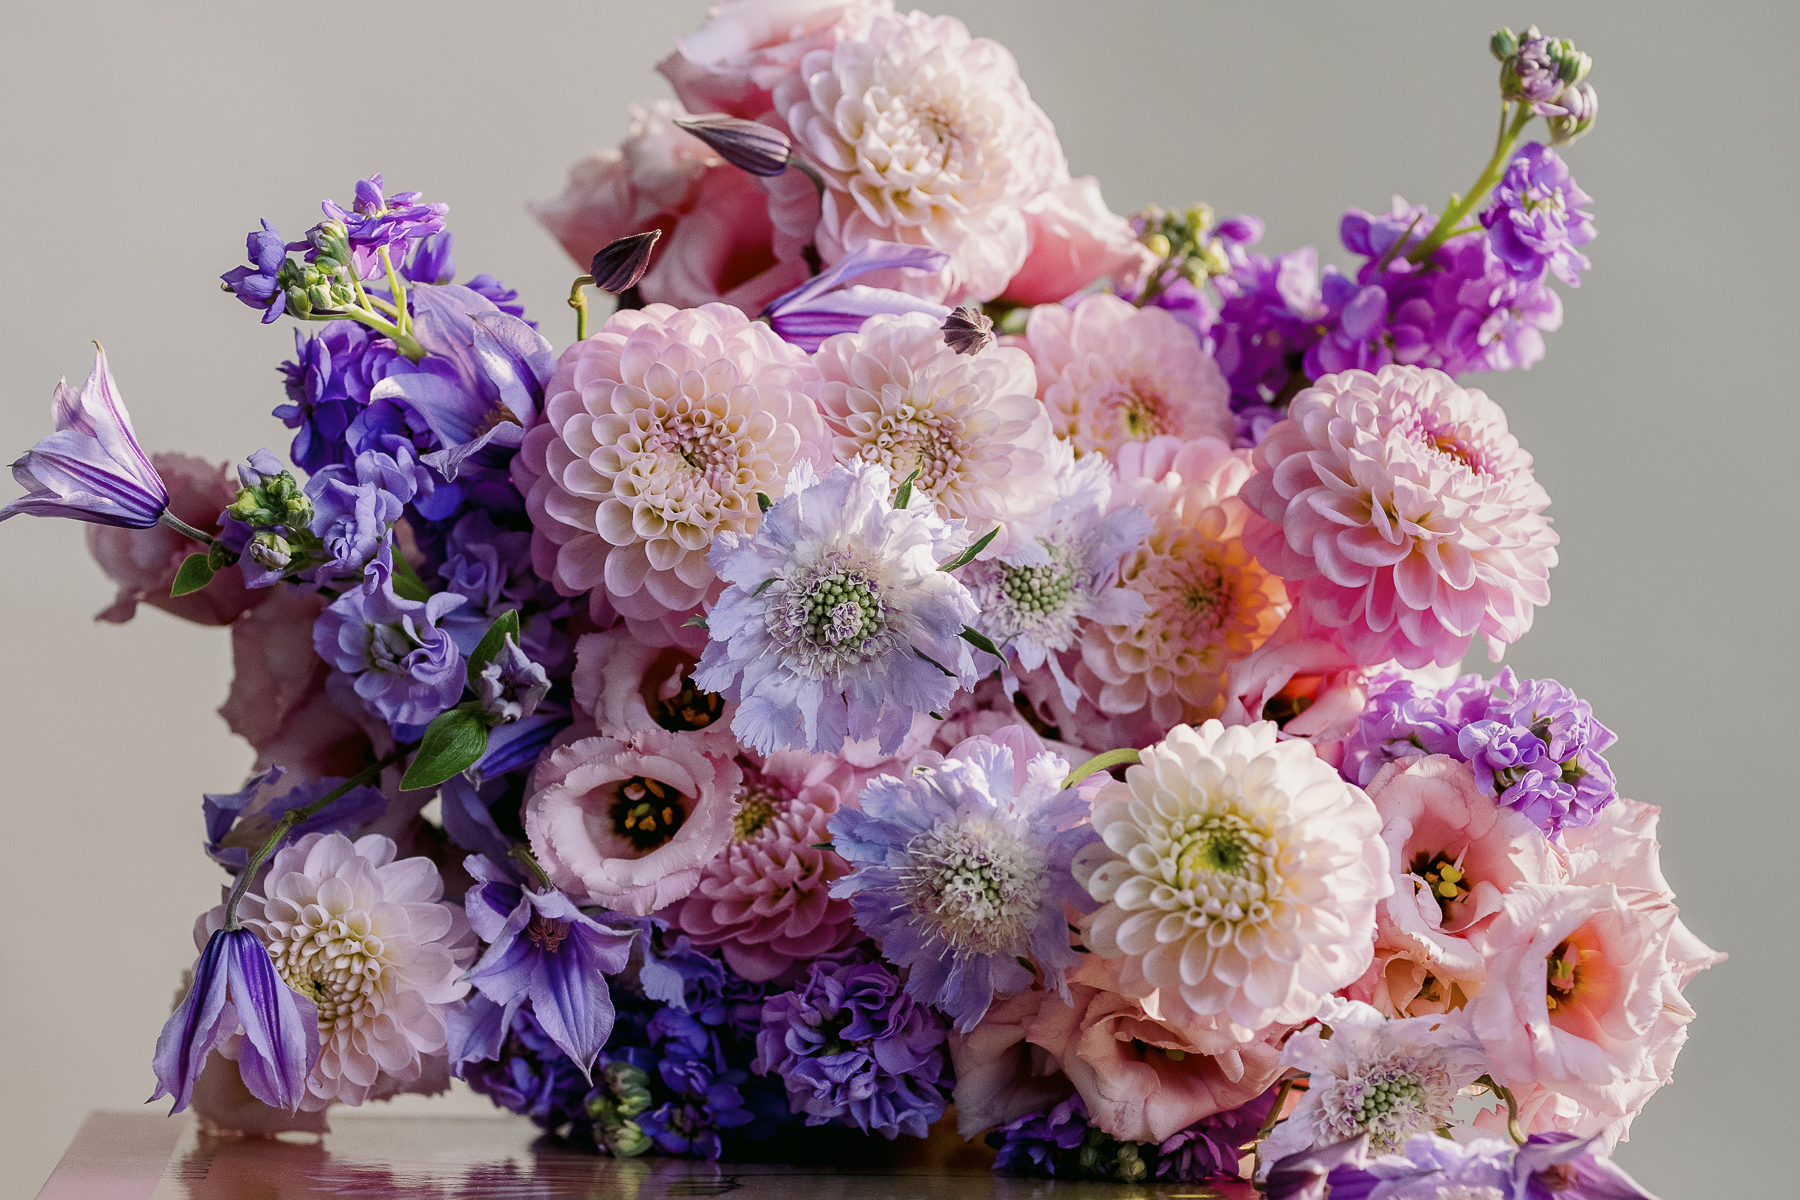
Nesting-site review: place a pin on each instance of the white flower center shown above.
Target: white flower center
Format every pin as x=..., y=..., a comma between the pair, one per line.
x=336, y=962
x=1224, y=866
x=388, y=644
x=977, y=884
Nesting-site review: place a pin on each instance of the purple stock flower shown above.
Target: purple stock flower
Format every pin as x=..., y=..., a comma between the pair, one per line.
x=521, y=1069
x=1561, y=1166
x=823, y=306
x=1403, y=720
x=92, y=468
x=854, y=1049
x=1211, y=1146
x=235, y=986
x=1537, y=749
x=492, y=567
x=1434, y=1167
x=259, y=284
x=1043, y=1143
x=355, y=507
x=511, y=686
x=1336, y=1171
x=1485, y=320
x=1538, y=217
x=270, y=795
x=376, y=221
x=543, y=949
x=319, y=407
x=405, y=667
x=1269, y=318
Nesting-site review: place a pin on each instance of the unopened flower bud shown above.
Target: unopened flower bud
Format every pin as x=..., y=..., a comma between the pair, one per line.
x=271, y=550
x=297, y=303
x=967, y=330
x=631, y=1087
x=1158, y=244
x=1199, y=218
x=1504, y=44
x=748, y=145
x=249, y=508
x=624, y=1140
x=296, y=510
x=1213, y=258
x=1580, y=104
x=320, y=296
x=622, y=263
x=1130, y=1168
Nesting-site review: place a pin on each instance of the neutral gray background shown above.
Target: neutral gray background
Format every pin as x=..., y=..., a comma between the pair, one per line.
x=141, y=141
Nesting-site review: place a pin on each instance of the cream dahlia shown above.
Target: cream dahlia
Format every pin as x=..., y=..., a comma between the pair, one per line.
x=1207, y=602
x=658, y=432
x=1111, y=373
x=1238, y=872
x=894, y=393
x=1409, y=510
x=924, y=135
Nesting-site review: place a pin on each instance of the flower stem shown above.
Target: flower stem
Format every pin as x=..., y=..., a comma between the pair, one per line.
x=578, y=302
x=1512, y=1107
x=523, y=854
x=397, y=288
x=1490, y=175
x=1101, y=762
x=184, y=529
x=292, y=818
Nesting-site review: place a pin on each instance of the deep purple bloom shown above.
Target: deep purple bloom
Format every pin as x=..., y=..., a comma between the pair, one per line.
x=1043, y=1143
x=543, y=949
x=405, y=666
x=1561, y=1166
x=92, y=468
x=747, y=145
x=1211, y=1146
x=621, y=263
x=511, y=686
x=318, y=406
x=854, y=1049
x=1270, y=317
x=1537, y=749
x=259, y=284
x=270, y=795
x=1335, y=1171
x=492, y=567
x=1538, y=217
x=1485, y=320
x=824, y=306
x=376, y=221
x=355, y=507
x=523, y=1071
x=235, y=986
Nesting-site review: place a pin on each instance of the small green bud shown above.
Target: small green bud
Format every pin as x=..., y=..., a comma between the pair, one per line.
x=297, y=303
x=624, y=1140
x=1130, y=1167
x=271, y=550
x=1158, y=245
x=219, y=556
x=296, y=510
x=630, y=1085
x=1199, y=218
x=1214, y=260
x=1504, y=44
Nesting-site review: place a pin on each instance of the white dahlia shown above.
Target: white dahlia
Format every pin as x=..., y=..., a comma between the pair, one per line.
x=924, y=135
x=895, y=394
x=1238, y=871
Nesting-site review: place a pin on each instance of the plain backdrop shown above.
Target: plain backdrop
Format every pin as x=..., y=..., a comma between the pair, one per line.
x=141, y=141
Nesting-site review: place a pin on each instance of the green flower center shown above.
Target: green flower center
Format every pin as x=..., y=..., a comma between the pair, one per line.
x=1037, y=590
x=842, y=610
x=754, y=813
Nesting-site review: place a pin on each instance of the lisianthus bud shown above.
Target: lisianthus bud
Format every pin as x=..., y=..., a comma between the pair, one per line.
x=748, y=145
x=967, y=330
x=621, y=263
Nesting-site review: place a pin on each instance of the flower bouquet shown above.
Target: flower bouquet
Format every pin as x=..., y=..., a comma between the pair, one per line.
x=939, y=655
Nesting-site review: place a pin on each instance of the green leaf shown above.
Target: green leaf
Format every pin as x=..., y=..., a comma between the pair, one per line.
x=698, y=621
x=453, y=743
x=763, y=502
x=903, y=497
x=980, y=641
x=968, y=556
x=764, y=586
x=934, y=662
x=194, y=575
x=407, y=584
x=505, y=626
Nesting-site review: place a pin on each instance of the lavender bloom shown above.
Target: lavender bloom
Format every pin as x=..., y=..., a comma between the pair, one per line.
x=259, y=285
x=524, y=1072
x=962, y=874
x=823, y=306
x=1580, y=105
x=1434, y=1167
x=432, y=263
x=355, y=507
x=406, y=668
x=853, y=1049
x=747, y=145
x=319, y=408
x=1212, y=1146
x=1537, y=749
x=1403, y=720
x=1561, y=1166
x=235, y=986
x=492, y=567
x=1335, y=1171
x=1269, y=318
x=1538, y=217
x=376, y=221
x=511, y=686
x=268, y=796
x=92, y=468
x=1044, y=1143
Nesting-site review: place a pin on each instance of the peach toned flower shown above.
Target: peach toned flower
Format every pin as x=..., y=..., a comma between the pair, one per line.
x=629, y=826
x=999, y=1075
x=1302, y=679
x=629, y=688
x=732, y=63
x=1075, y=240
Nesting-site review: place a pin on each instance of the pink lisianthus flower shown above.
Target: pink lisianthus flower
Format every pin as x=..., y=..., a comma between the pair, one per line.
x=629, y=689
x=1075, y=239
x=1409, y=511
x=1302, y=679
x=629, y=826
x=143, y=562
x=1111, y=373
x=1000, y=1076
x=657, y=433
x=765, y=901
x=732, y=63
x=278, y=700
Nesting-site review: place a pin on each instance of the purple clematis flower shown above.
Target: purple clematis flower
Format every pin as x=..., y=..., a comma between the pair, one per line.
x=541, y=948
x=235, y=985
x=1334, y=1171
x=266, y=798
x=92, y=468
x=259, y=284
x=406, y=667
x=823, y=306
x=1561, y=1166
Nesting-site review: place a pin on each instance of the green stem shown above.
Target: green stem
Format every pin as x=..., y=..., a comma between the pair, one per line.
x=397, y=288
x=523, y=854
x=1490, y=175
x=1274, y=1117
x=1101, y=762
x=403, y=341
x=1512, y=1108
x=292, y=818
x=184, y=529
x=811, y=172
x=578, y=302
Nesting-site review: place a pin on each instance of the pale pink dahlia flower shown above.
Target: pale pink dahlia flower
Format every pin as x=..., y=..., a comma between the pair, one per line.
x=1207, y=601
x=370, y=941
x=765, y=901
x=895, y=394
x=1409, y=510
x=927, y=136
x=1111, y=373
x=1239, y=874
x=658, y=432
x=630, y=689
x=629, y=826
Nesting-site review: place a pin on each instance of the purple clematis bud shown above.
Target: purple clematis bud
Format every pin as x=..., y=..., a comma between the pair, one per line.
x=235, y=986
x=259, y=284
x=92, y=468
x=1333, y=1170
x=543, y=949
x=511, y=686
x=623, y=261
x=822, y=306
x=968, y=330
x=748, y=145
x=1561, y=1166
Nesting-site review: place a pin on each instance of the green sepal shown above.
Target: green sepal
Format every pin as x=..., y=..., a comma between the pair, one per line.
x=903, y=497
x=764, y=586
x=697, y=621
x=407, y=584
x=486, y=650
x=195, y=574
x=980, y=641
x=763, y=503
x=968, y=556
x=453, y=743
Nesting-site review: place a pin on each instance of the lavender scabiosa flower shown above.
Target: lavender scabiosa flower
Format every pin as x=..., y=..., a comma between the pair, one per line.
x=511, y=686
x=92, y=468
x=355, y=507
x=405, y=666
x=853, y=1049
x=260, y=285
x=1537, y=749
x=839, y=623
x=962, y=874
x=1538, y=218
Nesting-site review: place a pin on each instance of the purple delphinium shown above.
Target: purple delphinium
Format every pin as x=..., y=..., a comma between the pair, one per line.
x=266, y=798
x=355, y=507
x=259, y=284
x=91, y=468
x=1213, y=1146
x=853, y=1049
x=526, y=1074
x=1537, y=749
x=375, y=221
x=405, y=667
x=962, y=874
x=1561, y=1166
x=1538, y=217
x=829, y=303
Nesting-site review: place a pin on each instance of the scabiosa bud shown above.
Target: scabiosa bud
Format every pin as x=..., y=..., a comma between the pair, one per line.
x=748, y=145
x=622, y=262
x=968, y=330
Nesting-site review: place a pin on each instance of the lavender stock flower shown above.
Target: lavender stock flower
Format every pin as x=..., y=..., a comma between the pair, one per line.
x=823, y=306
x=236, y=985
x=91, y=469
x=405, y=667
x=259, y=285
x=1537, y=749
x=355, y=507
x=511, y=686
x=376, y=221
x=1538, y=217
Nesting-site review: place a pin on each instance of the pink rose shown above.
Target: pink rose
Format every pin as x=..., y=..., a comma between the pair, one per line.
x=1075, y=239
x=999, y=1075
x=732, y=63
x=630, y=689
x=143, y=562
x=630, y=825
x=278, y=701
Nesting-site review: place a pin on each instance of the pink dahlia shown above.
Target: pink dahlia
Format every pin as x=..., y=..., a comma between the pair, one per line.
x=894, y=393
x=1111, y=373
x=370, y=941
x=1207, y=602
x=629, y=689
x=765, y=901
x=629, y=826
x=658, y=432
x=1409, y=510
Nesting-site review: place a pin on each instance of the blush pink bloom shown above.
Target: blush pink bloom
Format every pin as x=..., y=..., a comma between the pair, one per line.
x=629, y=826
x=732, y=63
x=658, y=432
x=765, y=901
x=1409, y=510
x=143, y=562
x=1301, y=678
x=1111, y=374
x=1075, y=239
x=278, y=700
x=629, y=689
x=1000, y=1076
x=927, y=136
